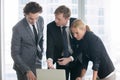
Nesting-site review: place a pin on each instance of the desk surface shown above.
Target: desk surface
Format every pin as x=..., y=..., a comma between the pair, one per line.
x=50, y=74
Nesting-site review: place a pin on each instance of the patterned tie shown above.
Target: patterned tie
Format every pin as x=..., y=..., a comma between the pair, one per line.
x=65, y=42
x=35, y=34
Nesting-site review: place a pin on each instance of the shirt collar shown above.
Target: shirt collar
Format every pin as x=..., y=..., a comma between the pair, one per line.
x=68, y=23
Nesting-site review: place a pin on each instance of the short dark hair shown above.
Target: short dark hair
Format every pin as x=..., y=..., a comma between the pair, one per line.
x=63, y=9
x=32, y=7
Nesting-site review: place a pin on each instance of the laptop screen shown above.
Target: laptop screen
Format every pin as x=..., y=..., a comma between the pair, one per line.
x=50, y=74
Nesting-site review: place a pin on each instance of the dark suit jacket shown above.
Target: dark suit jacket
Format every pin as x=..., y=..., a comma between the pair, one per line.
x=23, y=47
x=93, y=50
x=54, y=41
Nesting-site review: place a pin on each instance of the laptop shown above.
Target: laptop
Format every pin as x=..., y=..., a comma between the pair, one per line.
x=50, y=74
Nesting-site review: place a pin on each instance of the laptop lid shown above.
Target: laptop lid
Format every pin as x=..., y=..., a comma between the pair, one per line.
x=50, y=74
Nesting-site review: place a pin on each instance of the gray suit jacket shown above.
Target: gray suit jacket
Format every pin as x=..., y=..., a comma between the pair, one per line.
x=23, y=47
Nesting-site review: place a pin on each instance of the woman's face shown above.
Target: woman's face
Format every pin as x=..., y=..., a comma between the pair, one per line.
x=78, y=33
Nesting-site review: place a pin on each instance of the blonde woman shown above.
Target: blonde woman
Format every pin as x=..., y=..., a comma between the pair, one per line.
x=93, y=50
x=91, y=47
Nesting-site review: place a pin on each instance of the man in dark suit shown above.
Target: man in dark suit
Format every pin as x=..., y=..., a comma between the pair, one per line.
x=56, y=45
x=26, y=45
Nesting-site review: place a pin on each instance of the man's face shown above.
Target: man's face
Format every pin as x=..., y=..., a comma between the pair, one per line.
x=32, y=17
x=60, y=20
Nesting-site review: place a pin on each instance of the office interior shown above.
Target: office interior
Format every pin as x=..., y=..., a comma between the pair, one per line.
x=101, y=15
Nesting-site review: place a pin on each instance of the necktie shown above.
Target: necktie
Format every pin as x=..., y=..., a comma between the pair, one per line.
x=35, y=34
x=36, y=39
x=65, y=42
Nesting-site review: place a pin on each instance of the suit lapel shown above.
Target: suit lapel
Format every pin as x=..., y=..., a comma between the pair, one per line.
x=40, y=31
x=38, y=27
x=29, y=30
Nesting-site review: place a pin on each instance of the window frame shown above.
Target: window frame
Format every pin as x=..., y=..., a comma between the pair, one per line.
x=0, y=42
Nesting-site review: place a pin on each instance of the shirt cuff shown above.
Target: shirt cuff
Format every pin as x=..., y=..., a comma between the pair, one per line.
x=72, y=58
x=50, y=59
x=95, y=67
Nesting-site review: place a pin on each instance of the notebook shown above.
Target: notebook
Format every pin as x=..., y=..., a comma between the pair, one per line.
x=50, y=74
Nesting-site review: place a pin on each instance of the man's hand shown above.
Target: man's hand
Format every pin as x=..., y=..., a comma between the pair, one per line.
x=50, y=64
x=30, y=75
x=78, y=78
x=64, y=61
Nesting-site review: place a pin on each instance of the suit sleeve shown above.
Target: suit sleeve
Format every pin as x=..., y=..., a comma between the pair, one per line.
x=77, y=54
x=96, y=48
x=50, y=43
x=15, y=51
x=85, y=61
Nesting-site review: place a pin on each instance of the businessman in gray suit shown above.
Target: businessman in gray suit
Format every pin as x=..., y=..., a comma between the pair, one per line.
x=26, y=44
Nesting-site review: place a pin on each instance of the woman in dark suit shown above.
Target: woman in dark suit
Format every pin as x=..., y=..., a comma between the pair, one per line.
x=92, y=49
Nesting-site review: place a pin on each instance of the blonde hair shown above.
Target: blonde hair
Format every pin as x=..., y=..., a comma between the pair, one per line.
x=79, y=24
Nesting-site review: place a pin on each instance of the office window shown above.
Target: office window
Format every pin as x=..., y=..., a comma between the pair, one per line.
x=74, y=10
x=101, y=12
x=101, y=21
x=74, y=1
x=94, y=15
x=23, y=1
